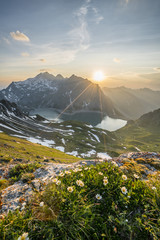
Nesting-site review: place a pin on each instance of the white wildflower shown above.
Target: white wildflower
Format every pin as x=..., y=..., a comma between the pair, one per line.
x=98, y=196
x=136, y=176
x=58, y=182
x=105, y=181
x=41, y=204
x=55, y=180
x=70, y=189
x=80, y=183
x=24, y=237
x=124, y=190
x=124, y=177
x=61, y=174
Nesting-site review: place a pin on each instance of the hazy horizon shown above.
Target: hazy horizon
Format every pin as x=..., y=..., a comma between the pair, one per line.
x=121, y=38
x=101, y=84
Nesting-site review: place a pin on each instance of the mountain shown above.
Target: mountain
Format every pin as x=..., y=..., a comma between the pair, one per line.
x=141, y=134
x=151, y=119
x=133, y=103
x=81, y=139
x=48, y=91
x=73, y=138
x=7, y=108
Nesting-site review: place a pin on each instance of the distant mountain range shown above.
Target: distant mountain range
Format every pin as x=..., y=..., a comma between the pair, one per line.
x=48, y=91
x=133, y=103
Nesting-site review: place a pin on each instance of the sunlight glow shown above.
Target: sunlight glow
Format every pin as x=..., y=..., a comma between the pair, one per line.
x=98, y=76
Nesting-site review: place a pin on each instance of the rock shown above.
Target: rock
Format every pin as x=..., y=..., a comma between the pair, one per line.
x=18, y=194
x=36, y=184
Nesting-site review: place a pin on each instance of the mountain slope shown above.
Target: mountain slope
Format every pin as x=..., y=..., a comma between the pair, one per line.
x=16, y=150
x=141, y=134
x=72, y=137
x=151, y=119
x=48, y=91
x=133, y=103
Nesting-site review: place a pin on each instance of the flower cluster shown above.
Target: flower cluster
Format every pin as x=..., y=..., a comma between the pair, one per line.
x=105, y=181
x=80, y=183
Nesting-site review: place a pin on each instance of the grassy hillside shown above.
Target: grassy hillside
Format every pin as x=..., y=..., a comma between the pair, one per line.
x=12, y=148
x=134, y=137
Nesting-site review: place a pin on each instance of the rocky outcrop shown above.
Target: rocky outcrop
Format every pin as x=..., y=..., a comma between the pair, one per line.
x=18, y=194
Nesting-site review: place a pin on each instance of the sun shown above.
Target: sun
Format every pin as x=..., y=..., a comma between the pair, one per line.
x=98, y=76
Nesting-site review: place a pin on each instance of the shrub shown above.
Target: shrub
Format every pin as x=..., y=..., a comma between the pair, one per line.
x=27, y=177
x=17, y=171
x=3, y=184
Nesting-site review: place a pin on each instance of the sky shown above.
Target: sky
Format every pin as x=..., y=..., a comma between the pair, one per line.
x=121, y=38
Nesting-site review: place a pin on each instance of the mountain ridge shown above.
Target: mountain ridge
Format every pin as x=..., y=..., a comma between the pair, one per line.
x=73, y=93
x=133, y=103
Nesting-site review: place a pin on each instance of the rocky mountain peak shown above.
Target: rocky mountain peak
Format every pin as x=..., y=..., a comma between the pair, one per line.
x=45, y=75
x=59, y=76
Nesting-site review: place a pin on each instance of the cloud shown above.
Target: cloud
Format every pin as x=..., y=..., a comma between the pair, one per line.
x=25, y=54
x=18, y=36
x=156, y=68
x=42, y=60
x=98, y=18
x=46, y=70
x=6, y=40
x=116, y=60
x=79, y=34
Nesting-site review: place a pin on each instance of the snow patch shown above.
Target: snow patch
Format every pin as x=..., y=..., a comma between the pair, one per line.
x=103, y=156
x=74, y=153
x=90, y=126
x=96, y=137
x=4, y=126
x=60, y=148
x=137, y=149
x=43, y=142
x=88, y=154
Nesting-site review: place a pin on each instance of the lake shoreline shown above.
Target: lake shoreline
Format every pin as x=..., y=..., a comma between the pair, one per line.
x=95, y=118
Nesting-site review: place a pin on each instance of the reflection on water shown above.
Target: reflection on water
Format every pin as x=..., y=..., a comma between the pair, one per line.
x=48, y=113
x=111, y=124
x=93, y=118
